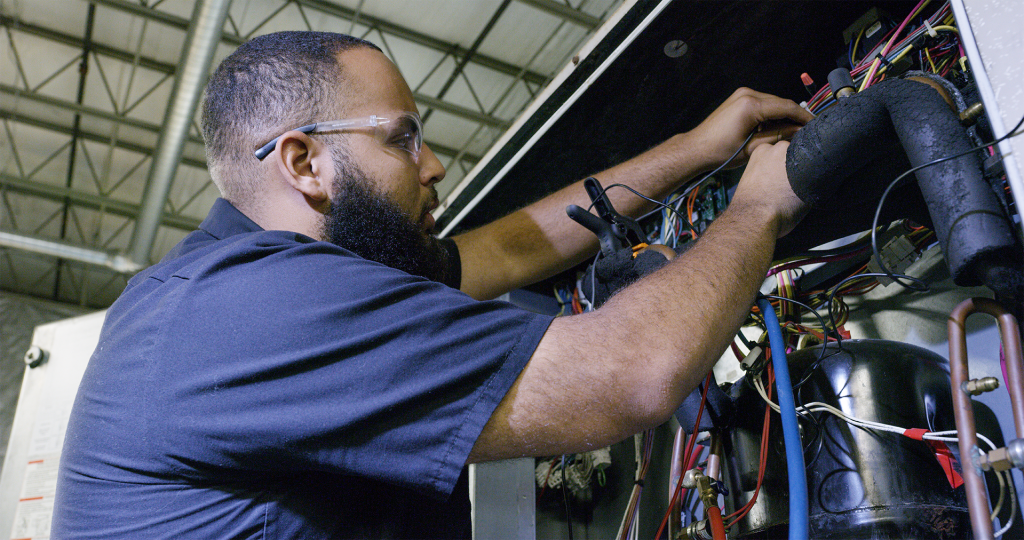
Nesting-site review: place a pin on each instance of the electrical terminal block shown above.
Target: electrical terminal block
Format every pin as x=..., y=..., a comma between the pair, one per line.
x=897, y=254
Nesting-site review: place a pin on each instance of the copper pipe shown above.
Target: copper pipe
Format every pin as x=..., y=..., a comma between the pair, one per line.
x=676, y=471
x=714, y=469
x=977, y=499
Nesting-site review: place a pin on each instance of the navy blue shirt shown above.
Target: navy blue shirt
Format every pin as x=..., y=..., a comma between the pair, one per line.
x=260, y=384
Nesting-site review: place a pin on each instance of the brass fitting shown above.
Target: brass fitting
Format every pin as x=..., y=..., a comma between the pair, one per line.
x=699, y=530
x=1003, y=459
x=977, y=387
x=971, y=114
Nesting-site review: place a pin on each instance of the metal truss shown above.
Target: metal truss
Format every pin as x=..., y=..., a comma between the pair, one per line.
x=85, y=188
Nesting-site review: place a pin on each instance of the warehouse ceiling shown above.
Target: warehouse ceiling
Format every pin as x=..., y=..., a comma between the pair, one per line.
x=90, y=93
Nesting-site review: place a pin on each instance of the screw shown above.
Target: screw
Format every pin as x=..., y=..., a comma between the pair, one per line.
x=676, y=48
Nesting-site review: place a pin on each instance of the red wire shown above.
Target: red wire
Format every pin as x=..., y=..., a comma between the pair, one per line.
x=763, y=456
x=686, y=455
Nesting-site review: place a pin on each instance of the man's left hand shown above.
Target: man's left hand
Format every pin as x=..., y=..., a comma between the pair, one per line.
x=729, y=125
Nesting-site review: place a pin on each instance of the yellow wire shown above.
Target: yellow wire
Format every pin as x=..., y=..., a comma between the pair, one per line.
x=874, y=65
x=856, y=43
x=929, y=57
x=946, y=27
x=897, y=59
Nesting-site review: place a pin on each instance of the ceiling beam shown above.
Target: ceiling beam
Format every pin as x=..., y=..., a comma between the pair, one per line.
x=347, y=13
x=18, y=93
x=458, y=110
x=77, y=42
x=424, y=39
x=58, y=193
x=169, y=69
x=164, y=67
x=64, y=250
x=21, y=118
x=563, y=11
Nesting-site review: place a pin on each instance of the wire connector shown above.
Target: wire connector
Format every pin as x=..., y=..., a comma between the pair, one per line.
x=897, y=254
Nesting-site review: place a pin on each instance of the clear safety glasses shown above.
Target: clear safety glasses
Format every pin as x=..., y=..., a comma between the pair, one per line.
x=404, y=132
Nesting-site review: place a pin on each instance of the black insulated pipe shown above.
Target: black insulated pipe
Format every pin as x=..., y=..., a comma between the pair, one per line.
x=828, y=159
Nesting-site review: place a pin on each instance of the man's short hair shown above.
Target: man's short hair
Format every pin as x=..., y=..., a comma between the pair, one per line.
x=270, y=84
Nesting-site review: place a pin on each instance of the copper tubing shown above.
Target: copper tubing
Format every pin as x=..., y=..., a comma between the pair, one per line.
x=977, y=499
x=715, y=456
x=676, y=471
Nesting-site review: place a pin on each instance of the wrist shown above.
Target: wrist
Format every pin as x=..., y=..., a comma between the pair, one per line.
x=698, y=149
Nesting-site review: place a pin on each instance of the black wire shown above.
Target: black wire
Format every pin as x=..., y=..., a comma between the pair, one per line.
x=693, y=185
x=746, y=342
x=835, y=289
x=668, y=205
x=565, y=498
x=878, y=211
x=638, y=194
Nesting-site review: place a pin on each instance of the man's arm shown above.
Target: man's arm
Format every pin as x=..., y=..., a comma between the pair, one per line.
x=540, y=240
x=599, y=377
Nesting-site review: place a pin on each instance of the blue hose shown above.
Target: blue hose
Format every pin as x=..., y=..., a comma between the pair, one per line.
x=798, y=500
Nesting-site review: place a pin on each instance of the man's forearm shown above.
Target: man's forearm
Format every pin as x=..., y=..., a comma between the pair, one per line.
x=540, y=240
x=599, y=377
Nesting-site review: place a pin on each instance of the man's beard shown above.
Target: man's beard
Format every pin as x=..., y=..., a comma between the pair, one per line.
x=375, y=228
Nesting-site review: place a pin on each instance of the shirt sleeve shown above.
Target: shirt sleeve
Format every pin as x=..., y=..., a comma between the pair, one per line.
x=304, y=356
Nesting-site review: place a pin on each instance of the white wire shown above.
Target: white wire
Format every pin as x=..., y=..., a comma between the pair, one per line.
x=1002, y=495
x=1013, y=506
x=945, y=436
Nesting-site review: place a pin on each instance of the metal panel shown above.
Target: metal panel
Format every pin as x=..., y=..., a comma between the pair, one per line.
x=503, y=496
x=28, y=481
x=990, y=31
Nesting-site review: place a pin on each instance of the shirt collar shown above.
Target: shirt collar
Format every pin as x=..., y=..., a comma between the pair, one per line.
x=225, y=220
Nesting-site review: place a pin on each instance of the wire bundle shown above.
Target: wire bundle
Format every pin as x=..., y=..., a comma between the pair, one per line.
x=1005, y=483
x=644, y=445
x=871, y=68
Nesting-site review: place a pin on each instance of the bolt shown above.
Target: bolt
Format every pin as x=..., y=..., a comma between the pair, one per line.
x=35, y=356
x=971, y=114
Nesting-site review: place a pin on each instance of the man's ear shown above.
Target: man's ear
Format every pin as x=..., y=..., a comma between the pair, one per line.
x=306, y=164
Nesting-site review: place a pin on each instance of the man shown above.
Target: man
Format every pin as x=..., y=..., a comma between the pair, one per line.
x=294, y=369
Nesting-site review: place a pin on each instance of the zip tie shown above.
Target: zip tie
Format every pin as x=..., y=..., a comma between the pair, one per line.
x=931, y=31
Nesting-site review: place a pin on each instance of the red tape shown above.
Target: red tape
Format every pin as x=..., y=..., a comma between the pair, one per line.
x=947, y=462
x=916, y=433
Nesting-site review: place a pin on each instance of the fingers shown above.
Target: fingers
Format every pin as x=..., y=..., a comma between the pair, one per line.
x=766, y=107
x=778, y=132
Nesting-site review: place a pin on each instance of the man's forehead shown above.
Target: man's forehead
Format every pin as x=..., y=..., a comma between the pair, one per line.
x=372, y=84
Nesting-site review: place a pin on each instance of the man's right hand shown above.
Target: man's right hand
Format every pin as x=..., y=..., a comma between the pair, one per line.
x=764, y=184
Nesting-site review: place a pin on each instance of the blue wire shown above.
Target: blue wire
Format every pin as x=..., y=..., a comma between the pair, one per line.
x=798, y=500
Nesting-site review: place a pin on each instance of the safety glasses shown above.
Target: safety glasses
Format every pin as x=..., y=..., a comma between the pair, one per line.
x=403, y=132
